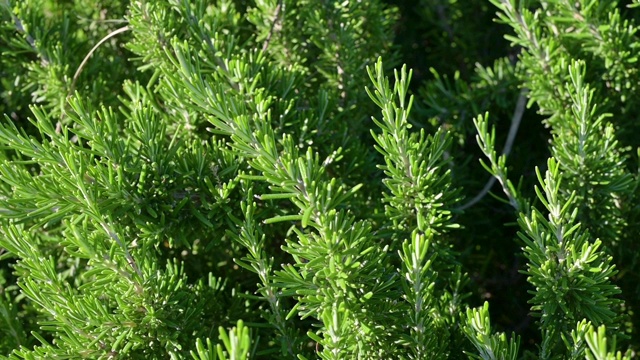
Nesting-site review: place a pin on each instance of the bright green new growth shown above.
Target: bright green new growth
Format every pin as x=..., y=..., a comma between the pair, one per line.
x=488, y=345
x=241, y=179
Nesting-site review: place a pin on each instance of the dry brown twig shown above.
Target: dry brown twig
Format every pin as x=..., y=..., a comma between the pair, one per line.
x=86, y=58
x=275, y=26
x=513, y=130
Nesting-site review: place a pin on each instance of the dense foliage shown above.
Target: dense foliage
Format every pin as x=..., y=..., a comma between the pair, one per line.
x=265, y=179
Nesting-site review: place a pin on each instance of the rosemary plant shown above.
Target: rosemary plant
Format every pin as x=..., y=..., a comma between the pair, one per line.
x=239, y=179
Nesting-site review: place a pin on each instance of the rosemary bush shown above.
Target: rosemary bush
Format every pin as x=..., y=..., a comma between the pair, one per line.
x=262, y=179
